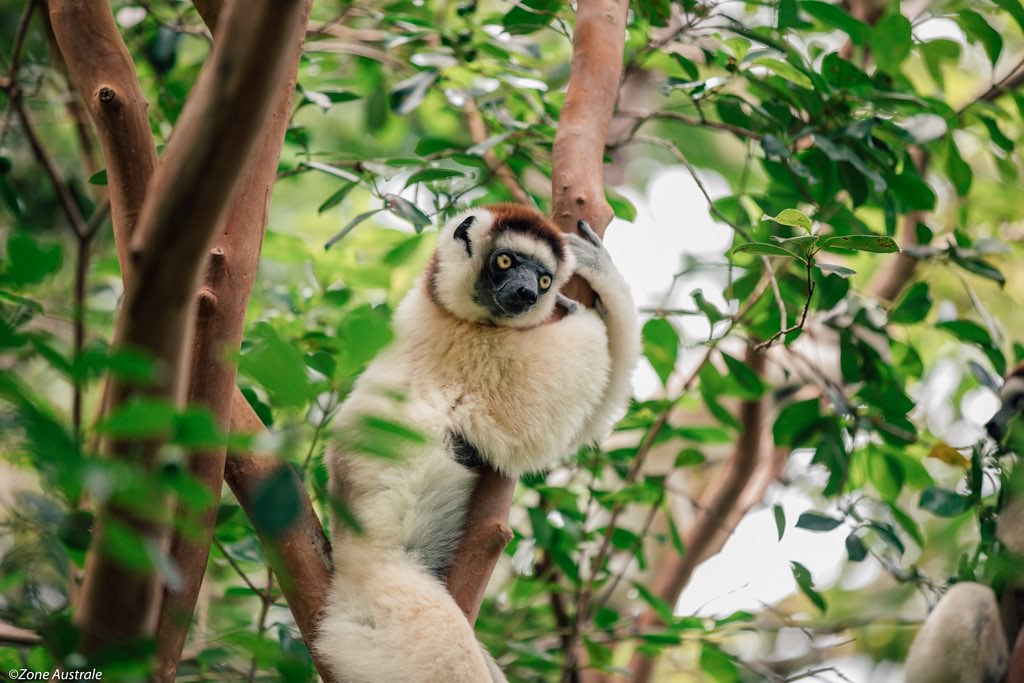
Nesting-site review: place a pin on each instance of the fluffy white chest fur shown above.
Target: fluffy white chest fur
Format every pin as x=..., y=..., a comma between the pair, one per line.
x=476, y=374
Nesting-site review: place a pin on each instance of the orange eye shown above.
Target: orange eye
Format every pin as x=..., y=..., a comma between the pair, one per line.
x=504, y=261
x=544, y=281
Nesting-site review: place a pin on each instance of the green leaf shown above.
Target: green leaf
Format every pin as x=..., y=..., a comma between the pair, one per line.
x=277, y=501
x=996, y=134
x=855, y=549
x=428, y=145
x=99, y=178
x=140, y=417
x=428, y=175
x=718, y=665
x=407, y=95
x=960, y=173
x=885, y=474
x=749, y=380
x=806, y=585
x=660, y=346
x=878, y=244
x=349, y=227
x=891, y=41
x=622, y=207
x=1013, y=8
x=913, y=306
x=687, y=65
x=278, y=366
x=796, y=423
x=888, y=536
x=785, y=70
x=980, y=267
x=709, y=310
x=337, y=197
x=976, y=27
x=406, y=210
x=689, y=457
x=780, y=519
x=943, y=502
x=30, y=261
x=765, y=249
x=834, y=16
x=792, y=218
x=968, y=331
x=815, y=521
x=832, y=269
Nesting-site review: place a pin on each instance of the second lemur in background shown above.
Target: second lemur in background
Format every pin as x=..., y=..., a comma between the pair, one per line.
x=486, y=372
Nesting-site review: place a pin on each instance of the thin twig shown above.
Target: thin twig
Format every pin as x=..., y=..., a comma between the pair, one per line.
x=640, y=118
x=803, y=315
x=238, y=569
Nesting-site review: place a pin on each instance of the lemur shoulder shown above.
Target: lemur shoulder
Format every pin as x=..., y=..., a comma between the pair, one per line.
x=487, y=373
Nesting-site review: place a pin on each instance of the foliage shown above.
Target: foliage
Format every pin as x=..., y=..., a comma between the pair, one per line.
x=836, y=137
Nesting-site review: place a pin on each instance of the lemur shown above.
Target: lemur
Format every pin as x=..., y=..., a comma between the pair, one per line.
x=486, y=371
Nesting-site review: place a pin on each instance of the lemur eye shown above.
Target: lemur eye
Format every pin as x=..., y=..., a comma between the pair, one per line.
x=504, y=261
x=544, y=281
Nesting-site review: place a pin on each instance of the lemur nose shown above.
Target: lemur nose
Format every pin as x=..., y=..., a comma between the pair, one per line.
x=527, y=295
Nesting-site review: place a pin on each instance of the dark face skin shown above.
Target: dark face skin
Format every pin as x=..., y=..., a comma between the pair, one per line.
x=511, y=283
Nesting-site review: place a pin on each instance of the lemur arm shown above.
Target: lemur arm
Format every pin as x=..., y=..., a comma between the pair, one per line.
x=616, y=308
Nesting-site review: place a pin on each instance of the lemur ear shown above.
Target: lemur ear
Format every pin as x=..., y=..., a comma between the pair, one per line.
x=462, y=233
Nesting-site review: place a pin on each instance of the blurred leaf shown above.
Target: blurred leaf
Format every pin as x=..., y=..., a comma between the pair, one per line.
x=943, y=502
x=277, y=502
x=834, y=16
x=943, y=452
x=891, y=41
x=718, y=665
x=337, y=196
x=406, y=96
x=855, y=549
x=977, y=28
x=429, y=175
x=660, y=346
x=806, y=584
x=278, y=366
x=406, y=210
x=780, y=519
x=815, y=521
x=913, y=305
x=765, y=249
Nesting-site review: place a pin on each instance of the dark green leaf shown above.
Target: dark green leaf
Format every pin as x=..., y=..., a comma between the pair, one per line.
x=99, y=178
x=428, y=175
x=806, y=584
x=815, y=521
x=968, y=331
x=834, y=16
x=874, y=243
x=780, y=519
x=913, y=306
x=960, y=173
x=338, y=196
x=855, y=549
x=752, y=385
x=277, y=502
x=978, y=28
x=943, y=502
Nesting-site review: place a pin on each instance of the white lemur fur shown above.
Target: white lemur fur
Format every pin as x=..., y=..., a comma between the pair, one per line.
x=482, y=367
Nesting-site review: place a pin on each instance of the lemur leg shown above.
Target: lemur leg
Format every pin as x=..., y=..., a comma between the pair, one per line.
x=615, y=305
x=394, y=623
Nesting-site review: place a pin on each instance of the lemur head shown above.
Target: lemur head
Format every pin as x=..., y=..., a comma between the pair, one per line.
x=1012, y=395
x=500, y=264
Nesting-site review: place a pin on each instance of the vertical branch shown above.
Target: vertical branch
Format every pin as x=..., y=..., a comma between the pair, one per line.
x=221, y=303
x=577, y=193
x=190, y=192
x=723, y=505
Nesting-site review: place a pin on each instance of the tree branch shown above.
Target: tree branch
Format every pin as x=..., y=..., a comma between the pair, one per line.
x=577, y=193
x=478, y=133
x=213, y=140
x=221, y=304
x=721, y=508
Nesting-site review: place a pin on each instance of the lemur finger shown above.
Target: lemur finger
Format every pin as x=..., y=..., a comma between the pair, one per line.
x=588, y=232
x=568, y=304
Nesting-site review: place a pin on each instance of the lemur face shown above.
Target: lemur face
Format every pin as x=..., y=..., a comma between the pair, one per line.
x=500, y=265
